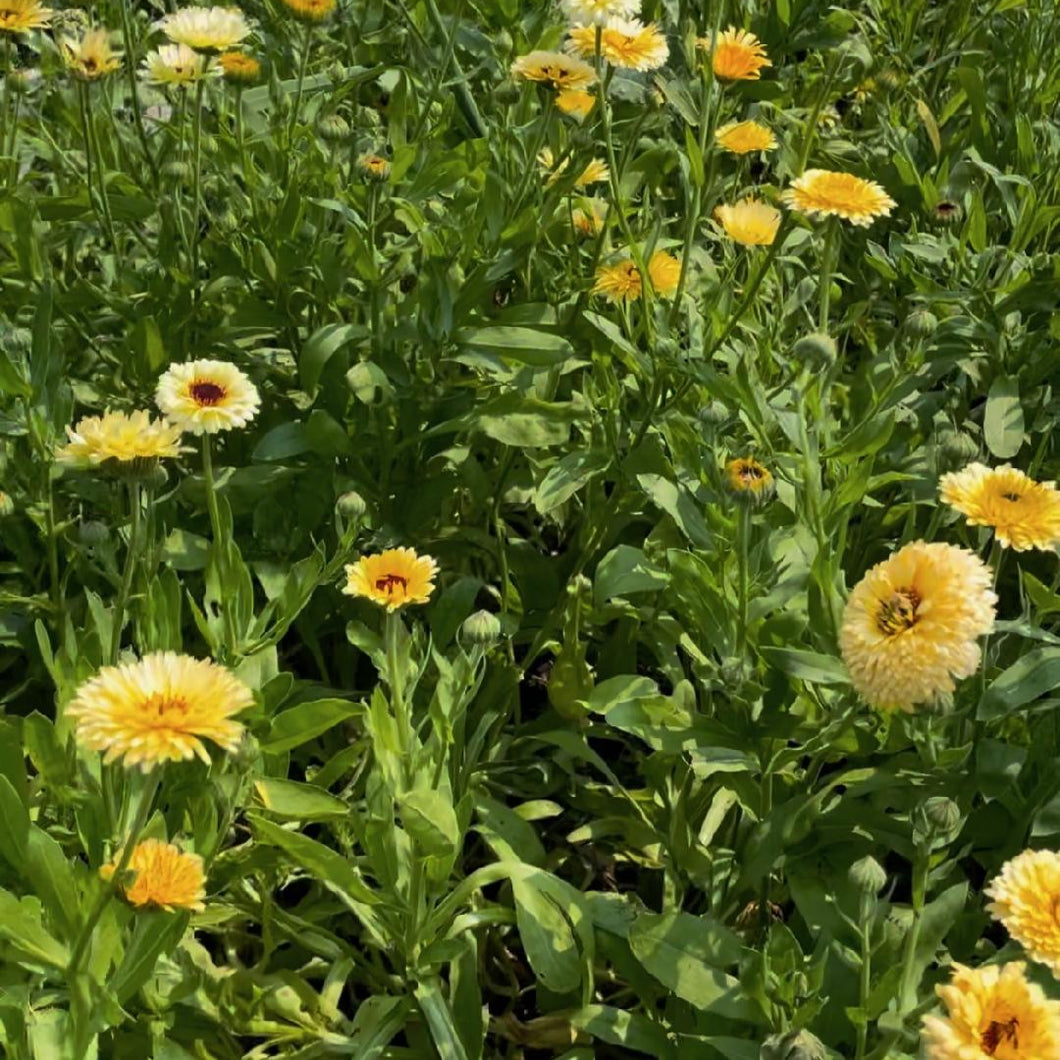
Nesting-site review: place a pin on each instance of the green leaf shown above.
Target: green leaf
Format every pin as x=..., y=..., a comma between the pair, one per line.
x=429, y=817
x=294, y=801
x=377, y=1020
x=435, y=1008
x=14, y=832
x=540, y=349
x=154, y=933
x=566, y=477
x=321, y=346
x=527, y=422
x=807, y=665
x=20, y=925
x=626, y=569
x=630, y=1030
x=547, y=934
x=1024, y=681
x=298, y=725
x=1003, y=421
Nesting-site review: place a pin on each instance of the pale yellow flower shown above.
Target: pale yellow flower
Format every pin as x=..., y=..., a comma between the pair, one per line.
x=1026, y=899
x=621, y=282
x=576, y=102
x=749, y=222
x=177, y=66
x=90, y=57
x=624, y=42
x=554, y=68
x=743, y=137
x=20, y=16
x=205, y=28
x=583, y=12
x=120, y=437
x=822, y=193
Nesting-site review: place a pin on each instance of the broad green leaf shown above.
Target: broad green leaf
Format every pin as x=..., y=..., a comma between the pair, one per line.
x=298, y=725
x=321, y=346
x=20, y=925
x=1024, y=681
x=436, y=1011
x=626, y=569
x=629, y=1030
x=547, y=935
x=527, y=422
x=525, y=345
x=14, y=832
x=294, y=801
x=1003, y=420
x=429, y=817
x=154, y=933
x=807, y=665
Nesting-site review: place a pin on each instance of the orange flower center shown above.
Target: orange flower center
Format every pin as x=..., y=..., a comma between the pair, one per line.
x=205, y=393
x=898, y=612
x=996, y=1033
x=162, y=704
x=389, y=582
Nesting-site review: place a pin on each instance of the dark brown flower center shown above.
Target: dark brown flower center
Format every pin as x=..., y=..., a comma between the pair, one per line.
x=750, y=472
x=1011, y=497
x=160, y=704
x=898, y=612
x=389, y=582
x=205, y=393
x=997, y=1032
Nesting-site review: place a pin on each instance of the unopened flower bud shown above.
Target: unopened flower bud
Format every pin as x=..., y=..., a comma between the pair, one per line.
x=749, y=482
x=351, y=505
x=714, y=414
x=921, y=324
x=374, y=167
x=507, y=93
x=177, y=171
x=816, y=350
x=867, y=875
x=947, y=212
x=936, y=818
x=955, y=450
x=92, y=533
x=481, y=628
x=333, y=127
x=793, y=1045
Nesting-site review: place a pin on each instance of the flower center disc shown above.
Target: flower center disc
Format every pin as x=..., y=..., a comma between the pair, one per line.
x=996, y=1033
x=898, y=612
x=204, y=393
x=160, y=705
x=389, y=582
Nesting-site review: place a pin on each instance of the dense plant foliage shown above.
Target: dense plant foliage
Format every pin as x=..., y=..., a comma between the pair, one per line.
x=618, y=755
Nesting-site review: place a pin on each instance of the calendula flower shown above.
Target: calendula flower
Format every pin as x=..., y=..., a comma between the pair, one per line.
x=374, y=166
x=205, y=28
x=624, y=42
x=911, y=624
x=593, y=173
x=750, y=222
x=159, y=709
x=749, y=480
x=576, y=102
x=737, y=55
x=1026, y=897
x=554, y=68
x=993, y=1012
x=238, y=67
x=621, y=282
x=90, y=56
x=310, y=10
x=20, y=16
x=598, y=12
x=177, y=65
x=393, y=578
x=743, y=137
x=124, y=438
x=1023, y=513
x=205, y=397
x=588, y=217
x=163, y=876
x=822, y=193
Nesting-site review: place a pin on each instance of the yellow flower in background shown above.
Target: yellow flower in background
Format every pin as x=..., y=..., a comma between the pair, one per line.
x=747, y=479
x=576, y=102
x=993, y=1012
x=588, y=217
x=163, y=876
x=911, y=624
x=621, y=282
x=750, y=222
x=205, y=397
x=595, y=172
x=90, y=57
x=20, y=16
x=177, y=65
x=598, y=12
x=159, y=709
x=624, y=42
x=119, y=436
x=394, y=578
x=238, y=67
x=1024, y=514
x=205, y=28
x=554, y=68
x=743, y=137
x=822, y=193
x=310, y=10
x=375, y=166
x=1026, y=899
x=737, y=56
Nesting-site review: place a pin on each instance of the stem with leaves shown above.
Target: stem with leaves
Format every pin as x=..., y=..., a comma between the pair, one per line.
x=131, y=555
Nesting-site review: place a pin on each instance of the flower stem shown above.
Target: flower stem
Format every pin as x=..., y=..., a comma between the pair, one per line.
x=196, y=208
x=307, y=45
x=143, y=811
x=134, y=98
x=220, y=545
x=828, y=253
x=908, y=984
x=131, y=552
x=743, y=544
x=94, y=163
x=395, y=679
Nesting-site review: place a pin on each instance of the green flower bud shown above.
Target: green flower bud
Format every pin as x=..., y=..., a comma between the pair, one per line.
x=955, y=450
x=793, y=1045
x=921, y=324
x=714, y=415
x=867, y=875
x=503, y=43
x=936, y=819
x=351, y=505
x=177, y=171
x=482, y=628
x=7, y=505
x=816, y=350
x=92, y=533
x=334, y=128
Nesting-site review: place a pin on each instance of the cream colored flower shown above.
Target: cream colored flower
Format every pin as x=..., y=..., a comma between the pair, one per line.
x=205, y=397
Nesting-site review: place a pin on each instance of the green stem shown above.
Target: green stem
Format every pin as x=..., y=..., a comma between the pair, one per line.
x=865, y=979
x=196, y=156
x=743, y=533
x=907, y=989
x=828, y=253
x=396, y=680
x=374, y=292
x=131, y=553
x=811, y=124
x=307, y=46
x=220, y=546
x=134, y=98
x=143, y=811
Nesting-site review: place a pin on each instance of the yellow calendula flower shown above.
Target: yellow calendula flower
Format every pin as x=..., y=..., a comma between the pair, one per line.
x=624, y=42
x=588, y=217
x=993, y=1012
x=1024, y=514
x=595, y=172
x=911, y=624
x=163, y=876
x=374, y=166
x=177, y=66
x=20, y=16
x=310, y=10
x=747, y=479
x=737, y=55
x=743, y=137
x=159, y=709
x=205, y=397
x=621, y=282
x=1026, y=898
x=822, y=193
x=576, y=102
x=554, y=68
x=122, y=437
x=598, y=12
x=238, y=67
x=750, y=222
x=394, y=578
x=205, y=28
x=90, y=57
